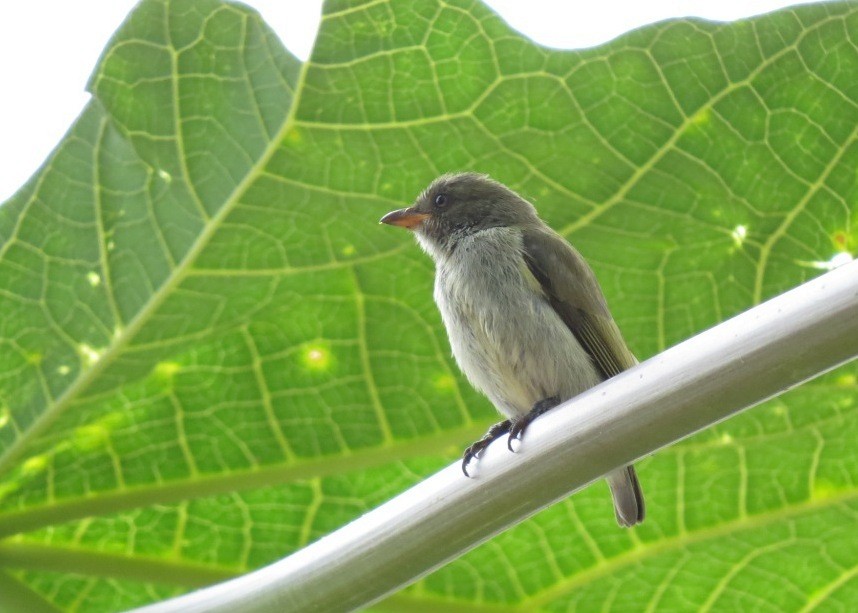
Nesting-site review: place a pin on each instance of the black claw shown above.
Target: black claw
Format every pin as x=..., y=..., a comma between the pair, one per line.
x=513, y=435
x=474, y=451
x=516, y=432
x=471, y=452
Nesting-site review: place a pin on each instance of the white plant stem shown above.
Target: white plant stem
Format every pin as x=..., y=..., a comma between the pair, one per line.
x=735, y=365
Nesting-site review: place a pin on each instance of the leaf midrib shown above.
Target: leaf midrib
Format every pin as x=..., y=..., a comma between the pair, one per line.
x=146, y=568
x=36, y=517
x=613, y=565
x=79, y=560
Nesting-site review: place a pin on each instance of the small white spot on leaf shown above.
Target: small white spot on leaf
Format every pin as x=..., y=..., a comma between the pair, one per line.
x=316, y=356
x=90, y=355
x=739, y=233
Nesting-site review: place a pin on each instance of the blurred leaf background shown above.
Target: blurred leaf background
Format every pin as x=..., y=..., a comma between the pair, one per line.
x=212, y=355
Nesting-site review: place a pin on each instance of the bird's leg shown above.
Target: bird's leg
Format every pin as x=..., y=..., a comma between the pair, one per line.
x=521, y=424
x=474, y=451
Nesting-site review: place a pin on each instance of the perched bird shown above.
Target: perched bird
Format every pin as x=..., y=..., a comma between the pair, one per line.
x=527, y=321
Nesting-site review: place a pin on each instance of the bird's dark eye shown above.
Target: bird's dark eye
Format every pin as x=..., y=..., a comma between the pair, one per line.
x=440, y=199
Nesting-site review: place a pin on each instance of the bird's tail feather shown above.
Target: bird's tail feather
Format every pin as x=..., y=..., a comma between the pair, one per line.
x=627, y=495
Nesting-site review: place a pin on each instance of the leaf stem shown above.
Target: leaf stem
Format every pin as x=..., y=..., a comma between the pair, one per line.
x=32, y=556
x=15, y=596
x=104, y=503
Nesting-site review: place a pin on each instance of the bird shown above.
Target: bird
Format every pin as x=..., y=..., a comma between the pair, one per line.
x=527, y=321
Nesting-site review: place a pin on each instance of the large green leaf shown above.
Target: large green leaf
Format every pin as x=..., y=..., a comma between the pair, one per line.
x=211, y=354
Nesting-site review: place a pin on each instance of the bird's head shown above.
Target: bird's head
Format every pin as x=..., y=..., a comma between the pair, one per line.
x=456, y=206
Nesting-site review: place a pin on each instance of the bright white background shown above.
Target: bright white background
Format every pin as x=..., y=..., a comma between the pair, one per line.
x=49, y=47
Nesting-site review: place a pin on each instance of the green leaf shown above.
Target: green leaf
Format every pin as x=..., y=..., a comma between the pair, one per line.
x=211, y=354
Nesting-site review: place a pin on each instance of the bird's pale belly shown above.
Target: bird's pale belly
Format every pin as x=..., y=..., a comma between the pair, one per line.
x=516, y=360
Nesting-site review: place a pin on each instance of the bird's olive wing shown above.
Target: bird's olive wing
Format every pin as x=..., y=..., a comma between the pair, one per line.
x=572, y=290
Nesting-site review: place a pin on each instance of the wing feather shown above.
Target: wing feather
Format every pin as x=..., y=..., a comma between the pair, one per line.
x=573, y=292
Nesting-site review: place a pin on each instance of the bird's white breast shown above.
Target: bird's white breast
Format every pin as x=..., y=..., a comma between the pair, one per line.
x=505, y=336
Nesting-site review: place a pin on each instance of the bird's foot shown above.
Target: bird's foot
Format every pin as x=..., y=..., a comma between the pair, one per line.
x=521, y=424
x=475, y=450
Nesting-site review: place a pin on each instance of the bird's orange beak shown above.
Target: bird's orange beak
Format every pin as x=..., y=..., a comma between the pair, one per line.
x=404, y=218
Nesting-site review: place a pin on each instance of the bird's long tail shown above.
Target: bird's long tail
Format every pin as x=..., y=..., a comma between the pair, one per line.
x=627, y=495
